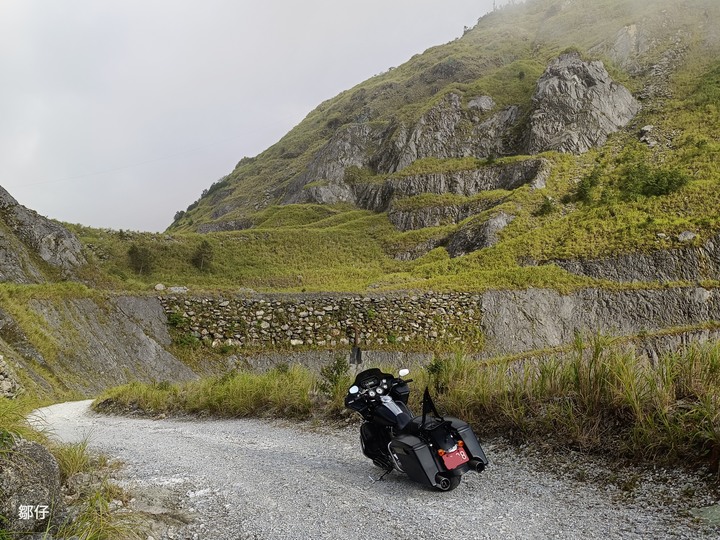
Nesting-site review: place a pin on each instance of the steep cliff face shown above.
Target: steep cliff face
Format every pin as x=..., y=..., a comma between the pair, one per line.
x=86, y=345
x=575, y=107
x=448, y=130
x=31, y=244
x=536, y=318
x=379, y=197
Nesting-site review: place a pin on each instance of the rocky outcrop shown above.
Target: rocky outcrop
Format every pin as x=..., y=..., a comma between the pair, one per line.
x=532, y=319
x=31, y=499
x=473, y=237
x=350, y=146
x=507, y=176
x=690, y=263
x=406, y=219
x=10, y=386
x=222, y=226
x=27, y=240
x=447, y=130
x=412, y=252
x=576, y=106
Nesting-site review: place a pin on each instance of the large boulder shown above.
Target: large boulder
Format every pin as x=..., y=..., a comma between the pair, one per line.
x=576, y=106
x=30, y=491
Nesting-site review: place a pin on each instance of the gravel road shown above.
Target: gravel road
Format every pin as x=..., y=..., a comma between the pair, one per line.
x=253, y=479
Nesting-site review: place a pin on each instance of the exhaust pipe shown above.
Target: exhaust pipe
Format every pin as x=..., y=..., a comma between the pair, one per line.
x=477, y=465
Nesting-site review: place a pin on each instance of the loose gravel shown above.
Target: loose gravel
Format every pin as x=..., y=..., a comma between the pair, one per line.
x=254, y=479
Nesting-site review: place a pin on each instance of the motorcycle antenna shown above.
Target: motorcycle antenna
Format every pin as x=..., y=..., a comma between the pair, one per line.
x=429, y=406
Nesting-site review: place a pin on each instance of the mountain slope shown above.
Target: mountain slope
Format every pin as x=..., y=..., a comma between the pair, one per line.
x=510, y=157
x=500, y=61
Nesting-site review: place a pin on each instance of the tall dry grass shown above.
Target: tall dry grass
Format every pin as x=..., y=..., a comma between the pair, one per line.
x=599, y=397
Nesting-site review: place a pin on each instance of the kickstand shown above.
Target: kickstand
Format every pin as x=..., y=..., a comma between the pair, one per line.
x=383, y=476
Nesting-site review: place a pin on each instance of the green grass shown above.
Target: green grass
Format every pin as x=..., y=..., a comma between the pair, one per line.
x=599, y=398
x=13, y=424
x=282, y=392
x=95, y=521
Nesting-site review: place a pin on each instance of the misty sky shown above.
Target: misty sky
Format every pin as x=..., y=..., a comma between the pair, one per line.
x=118, y=113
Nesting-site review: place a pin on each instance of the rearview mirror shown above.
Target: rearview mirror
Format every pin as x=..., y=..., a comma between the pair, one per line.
x=353, y=390
x=403, y=372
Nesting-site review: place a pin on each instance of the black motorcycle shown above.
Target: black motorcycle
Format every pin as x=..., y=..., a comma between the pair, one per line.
x=432, y=450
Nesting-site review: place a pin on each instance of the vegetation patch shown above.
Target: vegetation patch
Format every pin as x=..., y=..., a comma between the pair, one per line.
x=599, y=397
x=85, y=477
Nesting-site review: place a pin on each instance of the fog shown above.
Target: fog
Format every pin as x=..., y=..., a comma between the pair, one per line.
x=119, y=113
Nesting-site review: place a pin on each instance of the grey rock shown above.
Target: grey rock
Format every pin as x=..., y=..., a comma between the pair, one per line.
x=178, y=290
x=631, y=42
x=576, y=105
x=482, y=103
x=418, y=250
x=349, y=146
x=24, y=234
x=433, y=216
x=113, y=341
x=474, y=237
x=534, y=319
x=447, y=131
x=10, y=386
x=686, y=236
x=509, y=176
x=688, y=263
x=29, y=477
x=222, y=226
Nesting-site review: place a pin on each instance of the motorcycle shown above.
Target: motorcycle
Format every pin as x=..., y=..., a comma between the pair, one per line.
x=430, y=449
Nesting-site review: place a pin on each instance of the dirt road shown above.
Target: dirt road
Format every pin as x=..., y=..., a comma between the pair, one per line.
x=252, y=479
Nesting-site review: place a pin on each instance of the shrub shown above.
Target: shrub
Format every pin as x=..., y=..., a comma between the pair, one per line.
x=640, y=179
x=546, y=208
x=203, y=256
x=584, y=189
x=141, y=259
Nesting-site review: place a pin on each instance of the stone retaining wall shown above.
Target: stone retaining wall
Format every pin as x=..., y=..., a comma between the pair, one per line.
x=300, y=321
x=491, y=323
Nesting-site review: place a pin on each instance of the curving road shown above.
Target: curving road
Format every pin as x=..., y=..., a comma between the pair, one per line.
x=253, y=479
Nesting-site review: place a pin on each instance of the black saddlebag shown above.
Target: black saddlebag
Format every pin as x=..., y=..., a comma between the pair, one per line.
x=415, y=458
x=472, y=445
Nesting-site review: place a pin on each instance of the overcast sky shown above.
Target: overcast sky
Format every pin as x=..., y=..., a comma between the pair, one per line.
x=118, y=113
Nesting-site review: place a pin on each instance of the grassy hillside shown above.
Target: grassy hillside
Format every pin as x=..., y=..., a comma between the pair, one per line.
x=627, y=196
